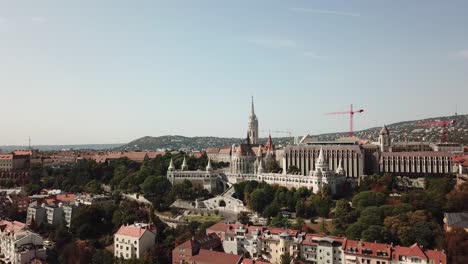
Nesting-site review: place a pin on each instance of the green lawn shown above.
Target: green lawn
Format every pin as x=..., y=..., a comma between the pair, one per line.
x=203, y=219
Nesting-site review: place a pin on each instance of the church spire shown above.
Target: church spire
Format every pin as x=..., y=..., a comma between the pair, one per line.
x=253, y=126
x=253, y=107
x=184, y=165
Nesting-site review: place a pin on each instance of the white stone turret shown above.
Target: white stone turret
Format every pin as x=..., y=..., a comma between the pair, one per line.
x=321, y=163
x=171, y=166
x=209, y=168
x=184, y=165
x=340, y=170
x=260, y=167
x=260, y=152
x=384, y=139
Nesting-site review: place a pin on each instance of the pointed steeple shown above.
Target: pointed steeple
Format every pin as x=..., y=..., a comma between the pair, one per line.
x=260, y=167
x=321, y=162
x=321, y=157
x=259, y=152
x=253, y=107
x=208, y=166
x=184, y=165
x=171, y=166
x=384, y=130
x=340, y=169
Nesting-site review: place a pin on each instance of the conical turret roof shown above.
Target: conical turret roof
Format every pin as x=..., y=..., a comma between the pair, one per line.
x=171, y=165
x=208, y=166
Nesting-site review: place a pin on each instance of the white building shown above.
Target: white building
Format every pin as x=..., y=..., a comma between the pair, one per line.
x=54, y=214
x=51, y=214
x=94, y=199
x=132, y=241
x=18, y=245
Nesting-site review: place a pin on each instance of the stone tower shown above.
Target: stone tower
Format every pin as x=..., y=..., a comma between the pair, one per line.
x=252, y=132
x=384, y=139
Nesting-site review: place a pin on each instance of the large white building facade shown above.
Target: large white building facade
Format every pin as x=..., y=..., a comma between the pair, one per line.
x=318, y=163
x=248, y=162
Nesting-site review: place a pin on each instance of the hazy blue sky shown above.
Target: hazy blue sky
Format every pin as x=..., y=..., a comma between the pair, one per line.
x=106, y=71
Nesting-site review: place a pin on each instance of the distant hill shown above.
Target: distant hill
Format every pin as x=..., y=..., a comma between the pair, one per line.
x=410, y=131
x=407, y=130
x=188, y=143
x=60, y=147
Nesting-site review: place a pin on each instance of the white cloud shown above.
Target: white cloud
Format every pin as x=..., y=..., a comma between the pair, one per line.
x=274, y=43
x=324, y=12
x=463, y=54
x=312, y=55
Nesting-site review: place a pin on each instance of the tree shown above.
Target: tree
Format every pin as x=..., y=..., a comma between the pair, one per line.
x=368, y=198
x=456, y=199
x=322, y=205
x=323, y=226
x=371, y=215
x=156, y=185
x=456, y=245
x=259, y=200
x=92, y=187
x=387, y=181
x=271, y=165
x=243, y=218
x=280, y=221
x=344, y=216
x=102, y=256
x=271, y=210
x=354, y=231
x=373, y=233
x=286, y=258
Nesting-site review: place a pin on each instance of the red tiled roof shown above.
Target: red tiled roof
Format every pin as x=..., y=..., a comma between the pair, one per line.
x=208, y=257
x=226, y=150
x=13, y=227
x=231, y=228
x=212, y=150
x=277, y=230
x=63, y=198
x=22, y=152
x=6, y=156
x=366, y=248
x=197, y=154
x=437, y=256
x=462, y=160
x=413, y=251
x=154, y=154
x=131, y=231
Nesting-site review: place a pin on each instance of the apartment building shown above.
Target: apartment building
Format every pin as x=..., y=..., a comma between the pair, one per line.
x=18, y=245
x=315, y=248
x=132, y=241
